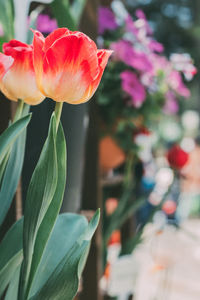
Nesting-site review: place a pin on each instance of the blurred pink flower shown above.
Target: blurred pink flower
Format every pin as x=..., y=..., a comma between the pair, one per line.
x=106, y=20
x=171, y=106
x=132, y=86
x=124, y=51
x=130, y=26
x=160, y=63
x=155, y=46
x=45, y=24
x=176, y=83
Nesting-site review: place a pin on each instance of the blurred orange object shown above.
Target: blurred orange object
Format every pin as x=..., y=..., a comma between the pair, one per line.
x=158, y=267
x=110, y=154
x=110, y=205
x=115, y=238
x=107, y=271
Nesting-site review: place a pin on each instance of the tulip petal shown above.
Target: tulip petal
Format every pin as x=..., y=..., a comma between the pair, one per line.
x=5, y=63
x=72, y=64
x=18, y=82
x=13, y=47
x=103, y=56
x=73, y=53
x=54, y=36
x=38, y=54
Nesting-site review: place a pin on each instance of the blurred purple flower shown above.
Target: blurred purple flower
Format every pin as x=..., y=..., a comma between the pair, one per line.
x=45, y=24
x=176, y=83
x=160, y=63
x=132, y=86
x=124, y=51
x=106, y=20
x=171, y=105
x=155, y=46
x=130, y=26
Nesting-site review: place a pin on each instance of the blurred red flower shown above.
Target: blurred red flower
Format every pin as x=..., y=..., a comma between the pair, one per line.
x=177, y=157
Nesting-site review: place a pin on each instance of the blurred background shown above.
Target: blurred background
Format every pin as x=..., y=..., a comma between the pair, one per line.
x=134, y=149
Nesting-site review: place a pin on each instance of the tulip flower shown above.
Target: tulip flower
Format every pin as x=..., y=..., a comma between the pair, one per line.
x=68, y=65
x=17, y=76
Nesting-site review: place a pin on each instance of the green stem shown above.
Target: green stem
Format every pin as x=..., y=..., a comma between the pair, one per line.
x=19, y=110
x=129, y=170
x=58, y=111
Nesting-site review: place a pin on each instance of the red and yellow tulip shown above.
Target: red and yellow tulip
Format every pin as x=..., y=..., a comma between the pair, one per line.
x=17, y=75
x=68, y=65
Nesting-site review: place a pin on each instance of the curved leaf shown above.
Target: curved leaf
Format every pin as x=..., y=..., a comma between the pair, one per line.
x=10, y=253
x=40, y=193
x=11, y=133
x=68, y=229
x=54, y=208
x=62, y=284
x=11, y=293
x=7, y=272
x=11, y=175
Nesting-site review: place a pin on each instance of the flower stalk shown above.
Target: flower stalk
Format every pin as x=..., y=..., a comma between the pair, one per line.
x=58, y=112
x=19, y=110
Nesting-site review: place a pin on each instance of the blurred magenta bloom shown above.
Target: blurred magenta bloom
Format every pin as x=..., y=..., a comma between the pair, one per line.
x=171, y=105
x=130, y=26
x=155, y=46
x=176, y=83
x=106, y=20
x=45, y=24
x=132, y=86
x=124, y=51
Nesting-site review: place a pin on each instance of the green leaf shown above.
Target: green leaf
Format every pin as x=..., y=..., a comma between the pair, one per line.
x=10, y=170
x=7, y=18
x=62, y=284
x=68, y=228
x=11, y=133
x=77, y=8
x=12, y=291
x=54, y=208
x=12, y=174
x=10, y=254
x=61, y=11
x=7, y=272
x=3, y=165
x=39, y=196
